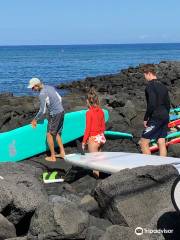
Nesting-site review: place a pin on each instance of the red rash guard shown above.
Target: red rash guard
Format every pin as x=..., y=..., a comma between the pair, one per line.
x=95, y=122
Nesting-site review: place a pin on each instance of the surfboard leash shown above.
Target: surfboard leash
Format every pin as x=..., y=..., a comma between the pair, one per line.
x=137, y=145
x=79, y=147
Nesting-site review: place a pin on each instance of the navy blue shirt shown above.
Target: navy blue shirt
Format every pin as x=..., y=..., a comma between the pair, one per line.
x=158, y=103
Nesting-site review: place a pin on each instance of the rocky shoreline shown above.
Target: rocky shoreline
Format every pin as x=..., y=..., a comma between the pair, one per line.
x=87, y=208
x=83, y=207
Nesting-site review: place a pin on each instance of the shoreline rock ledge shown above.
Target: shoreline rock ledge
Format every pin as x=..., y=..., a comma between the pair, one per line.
x=112, y=208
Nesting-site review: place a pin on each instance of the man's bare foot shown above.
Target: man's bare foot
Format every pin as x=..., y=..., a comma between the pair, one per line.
x=60, y=155
x=50, y=159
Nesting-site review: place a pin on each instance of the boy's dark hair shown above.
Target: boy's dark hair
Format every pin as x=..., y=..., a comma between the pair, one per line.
x=149, y=68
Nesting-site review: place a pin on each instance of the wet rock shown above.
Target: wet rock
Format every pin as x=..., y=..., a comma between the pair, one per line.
x=174, y=150
x=57, y=189
x=147, y=189
x=6, y=197
x=58, y=220
x=120, y=145
x=115, y=101
x=6, y=94
x=21, y=192
x=89, y=204
x=7, y=229
x=129, y=110
x=93, y=233
x=16, y=111
x=100, y=223
x=18, y=238
x=7, y=170
x=65, y=197
x=84, y=185
x=116, y=232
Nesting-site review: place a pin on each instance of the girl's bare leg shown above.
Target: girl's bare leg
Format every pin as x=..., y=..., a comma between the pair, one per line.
x=94, y=147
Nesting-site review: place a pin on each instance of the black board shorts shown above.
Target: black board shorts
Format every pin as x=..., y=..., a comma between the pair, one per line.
x=156, y=129
x=55, y=123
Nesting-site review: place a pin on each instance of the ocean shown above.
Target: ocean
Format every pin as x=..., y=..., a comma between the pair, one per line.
x=65, y=63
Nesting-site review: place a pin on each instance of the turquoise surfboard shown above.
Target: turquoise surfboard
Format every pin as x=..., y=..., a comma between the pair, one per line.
x=173, y=135
x=169, y=136
x=25, y=142
x=175, y=110
x=118, y=135
x=174, y=117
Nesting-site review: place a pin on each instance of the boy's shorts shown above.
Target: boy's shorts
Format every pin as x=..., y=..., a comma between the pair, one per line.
x=156, y=129
x=55, y=123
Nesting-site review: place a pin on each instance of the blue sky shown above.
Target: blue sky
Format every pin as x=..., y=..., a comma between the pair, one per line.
x=88, y=21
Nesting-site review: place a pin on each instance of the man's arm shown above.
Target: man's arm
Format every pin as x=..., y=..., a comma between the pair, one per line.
x=42, y=109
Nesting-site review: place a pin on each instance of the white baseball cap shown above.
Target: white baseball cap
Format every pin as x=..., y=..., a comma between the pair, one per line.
x=33, y=82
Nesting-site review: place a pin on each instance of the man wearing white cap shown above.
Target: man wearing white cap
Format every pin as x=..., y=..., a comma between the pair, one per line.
x=51, y=100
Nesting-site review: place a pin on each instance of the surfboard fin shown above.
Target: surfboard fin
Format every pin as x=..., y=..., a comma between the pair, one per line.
x=52, y=177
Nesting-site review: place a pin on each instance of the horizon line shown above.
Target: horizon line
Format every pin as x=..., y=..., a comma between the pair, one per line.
x=86, y=44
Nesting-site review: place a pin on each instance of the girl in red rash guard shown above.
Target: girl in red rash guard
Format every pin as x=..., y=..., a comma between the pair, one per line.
x=95, y=125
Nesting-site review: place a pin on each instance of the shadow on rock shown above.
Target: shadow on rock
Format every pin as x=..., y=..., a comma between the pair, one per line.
x=170, y=221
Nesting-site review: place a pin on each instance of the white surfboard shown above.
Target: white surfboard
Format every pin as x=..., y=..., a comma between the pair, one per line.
x=111, y=162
